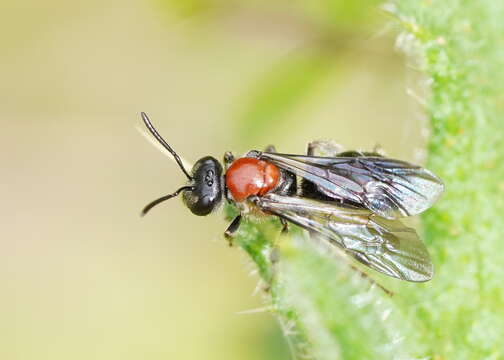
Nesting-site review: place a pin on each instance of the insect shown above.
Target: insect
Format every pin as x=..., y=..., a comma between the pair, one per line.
x=354, y=200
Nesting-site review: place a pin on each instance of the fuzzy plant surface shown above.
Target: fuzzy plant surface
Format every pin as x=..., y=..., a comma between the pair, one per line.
x=327, y=310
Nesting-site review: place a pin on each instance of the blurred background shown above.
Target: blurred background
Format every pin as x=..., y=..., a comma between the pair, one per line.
x=83, y=276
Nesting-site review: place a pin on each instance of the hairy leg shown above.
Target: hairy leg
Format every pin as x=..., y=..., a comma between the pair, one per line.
x=323, y=148
x=228, y=159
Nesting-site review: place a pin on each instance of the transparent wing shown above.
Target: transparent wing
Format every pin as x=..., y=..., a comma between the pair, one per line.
x=390, y=188
x=384, y=245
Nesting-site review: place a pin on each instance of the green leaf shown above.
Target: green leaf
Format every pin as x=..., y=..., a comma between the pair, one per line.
x=460, y=48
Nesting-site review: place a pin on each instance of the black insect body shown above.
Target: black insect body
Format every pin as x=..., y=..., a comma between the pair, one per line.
x=351, y=199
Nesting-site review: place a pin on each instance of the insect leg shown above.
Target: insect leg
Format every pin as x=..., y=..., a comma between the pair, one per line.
x=378, y=149
x=275, y=256
x=364, y=275
x=228, y=234
x=372, y=281
x=270, y=149
x=228, y=159
x=285, y=225
x=323, y=148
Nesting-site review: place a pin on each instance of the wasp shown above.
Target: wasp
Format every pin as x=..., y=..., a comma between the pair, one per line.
x=353, y=200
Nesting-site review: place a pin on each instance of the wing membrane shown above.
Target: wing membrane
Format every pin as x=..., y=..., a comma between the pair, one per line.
x=390, y=188
x=384, y=245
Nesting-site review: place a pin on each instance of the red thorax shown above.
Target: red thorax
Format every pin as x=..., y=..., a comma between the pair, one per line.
x=249, y=176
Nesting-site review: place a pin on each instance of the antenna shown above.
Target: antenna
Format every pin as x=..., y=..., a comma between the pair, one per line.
x=162, y=141
x=163, y=198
